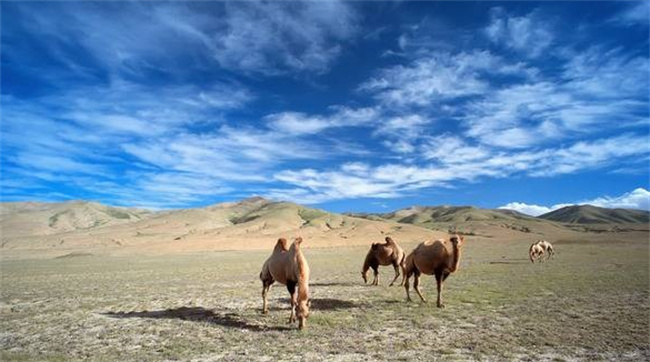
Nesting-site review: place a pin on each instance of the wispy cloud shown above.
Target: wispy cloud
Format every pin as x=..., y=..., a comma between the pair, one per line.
x=530, y=34
x=297, y=123
x=270, y=37
x=635, y=199
x=175, y=104
x=634, y=13
x=438, y=77
x=471, y=163
x=255, y=37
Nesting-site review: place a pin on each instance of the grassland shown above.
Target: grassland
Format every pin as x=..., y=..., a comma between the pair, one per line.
x=590, y=303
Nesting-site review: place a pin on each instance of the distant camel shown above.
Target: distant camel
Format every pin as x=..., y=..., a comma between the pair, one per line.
x=535, y=252
x=548, y=248
x=288, y=267
x=440, y=258
x=388, y=253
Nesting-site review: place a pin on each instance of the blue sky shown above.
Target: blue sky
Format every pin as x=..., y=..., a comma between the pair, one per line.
x=346, y=106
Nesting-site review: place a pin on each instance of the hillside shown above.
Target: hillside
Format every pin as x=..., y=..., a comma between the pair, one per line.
x=39, y=218
x=253, y=223
x=588, y=214
x=469, y=220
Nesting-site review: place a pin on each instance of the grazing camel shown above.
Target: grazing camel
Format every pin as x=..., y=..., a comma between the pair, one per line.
x=548, y=248
x=440, y=258
x=388, y=253
x=288, y=266
x=535, y=252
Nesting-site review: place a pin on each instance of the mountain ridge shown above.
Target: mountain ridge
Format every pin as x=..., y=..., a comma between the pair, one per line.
x=590, y=214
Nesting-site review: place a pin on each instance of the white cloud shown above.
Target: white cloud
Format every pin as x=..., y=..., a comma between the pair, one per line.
x=635, y=199
x=438, y=77
x=529, y=34
x=297, y=123
x=235, y=154
x=533, y=210
x=450, y=149
x=407, y=126
x=635, y=13
x=472, y=163
x=255, y=37
x=268, y=37
x=598, y=90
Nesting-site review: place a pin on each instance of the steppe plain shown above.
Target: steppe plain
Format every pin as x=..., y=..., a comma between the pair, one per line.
x=183, y=285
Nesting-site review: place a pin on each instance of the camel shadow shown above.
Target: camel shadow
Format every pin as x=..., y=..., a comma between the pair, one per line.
x=198, y=314
x=332, y=304
x=326, y=304
x=333, y=284
x=508, y=262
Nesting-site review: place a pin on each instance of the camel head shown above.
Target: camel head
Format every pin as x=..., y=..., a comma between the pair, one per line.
x=364, y=275
x=457, y=241
x=302, y=312
x=389, y=240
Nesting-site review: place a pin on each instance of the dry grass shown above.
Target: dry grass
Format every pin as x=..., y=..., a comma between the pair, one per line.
x=590, y=303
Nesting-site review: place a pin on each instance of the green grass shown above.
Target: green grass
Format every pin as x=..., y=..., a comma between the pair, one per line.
x=590, y=303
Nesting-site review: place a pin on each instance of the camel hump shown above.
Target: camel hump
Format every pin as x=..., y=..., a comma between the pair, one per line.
x=374, y=246
x=281, y=244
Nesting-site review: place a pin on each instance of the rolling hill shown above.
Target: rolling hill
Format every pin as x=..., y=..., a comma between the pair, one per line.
x=253, y=223
x=81, y=228
x=468, y=220
x=588, y=214
x=39, y=218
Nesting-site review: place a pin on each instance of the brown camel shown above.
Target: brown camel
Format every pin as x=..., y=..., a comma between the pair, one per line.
x=535, y=252
x=288, y=266
x=388, y=253
x=440, y=258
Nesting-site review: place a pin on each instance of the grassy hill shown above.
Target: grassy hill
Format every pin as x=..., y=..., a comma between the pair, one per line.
x=588, y=214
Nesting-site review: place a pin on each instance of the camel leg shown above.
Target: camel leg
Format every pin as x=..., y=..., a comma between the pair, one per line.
x=403, y=267
x=265, y=291
x=439, y=280
x=416, y=286
x=376, y=272
x=407, y=283
x=396, y=267
x=291, y=287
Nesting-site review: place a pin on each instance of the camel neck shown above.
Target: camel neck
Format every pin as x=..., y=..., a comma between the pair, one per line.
x=455, y=258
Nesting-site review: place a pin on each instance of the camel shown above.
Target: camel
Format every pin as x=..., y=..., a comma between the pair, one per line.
x=548, y=248
x=388, y=253
x=439, y=258
x=288, y=266
x=535, y=252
